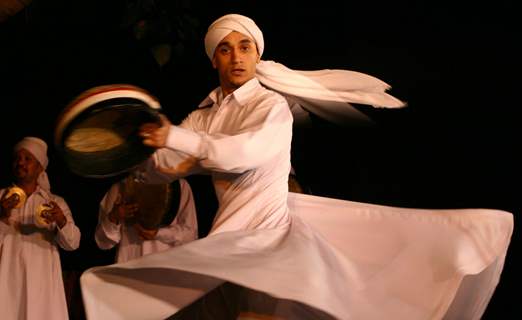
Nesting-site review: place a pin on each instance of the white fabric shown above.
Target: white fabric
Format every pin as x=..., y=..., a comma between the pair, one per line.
x=43, y=181
x=351, y=260
x=220, y=28
x=326, y=93
x=38, y=148
x=332, y=258
x=245, y=144
x=183, y=229
x=31, y=284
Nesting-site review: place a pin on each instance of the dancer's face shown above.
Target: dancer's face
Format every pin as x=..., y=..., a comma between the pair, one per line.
x=235, y=58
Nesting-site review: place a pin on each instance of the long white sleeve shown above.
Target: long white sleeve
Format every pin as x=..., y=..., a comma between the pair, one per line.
x=262, y=135
x=68, y=237
x=107, y=234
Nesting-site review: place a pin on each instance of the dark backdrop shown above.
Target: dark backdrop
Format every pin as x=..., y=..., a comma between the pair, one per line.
x=455, y=64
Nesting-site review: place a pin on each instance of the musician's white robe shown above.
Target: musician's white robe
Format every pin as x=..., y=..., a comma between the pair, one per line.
x=31, y=284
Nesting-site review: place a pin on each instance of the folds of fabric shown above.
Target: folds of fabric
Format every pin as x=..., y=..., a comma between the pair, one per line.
x=349, y=260
x=327, y=93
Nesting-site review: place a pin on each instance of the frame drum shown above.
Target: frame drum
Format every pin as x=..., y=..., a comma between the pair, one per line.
x=158, y=203
x=97, y=133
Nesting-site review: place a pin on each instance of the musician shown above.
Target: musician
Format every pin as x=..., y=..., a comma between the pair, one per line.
x=118, y=221
x=30, y=270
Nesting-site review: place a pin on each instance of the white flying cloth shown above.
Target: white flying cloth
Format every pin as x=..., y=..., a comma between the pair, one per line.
x=38, y=148
x=326, y=93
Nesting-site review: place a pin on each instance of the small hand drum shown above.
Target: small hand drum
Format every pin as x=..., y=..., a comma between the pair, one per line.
x=158, y=203
x=97, y=133
x=19, y=193
x=39, y=219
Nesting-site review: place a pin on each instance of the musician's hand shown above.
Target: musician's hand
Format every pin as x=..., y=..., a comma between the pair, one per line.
x=155, y=135
x=54, y=214
x=121, y=211
x=145, y=234
x=7, y=204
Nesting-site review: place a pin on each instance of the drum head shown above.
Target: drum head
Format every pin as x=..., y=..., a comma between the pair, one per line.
x=158, y=203
x=97, y=134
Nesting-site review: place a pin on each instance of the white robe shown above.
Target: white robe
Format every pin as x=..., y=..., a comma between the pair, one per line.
x=31, y=283
x=299, y=256
x=184, y=227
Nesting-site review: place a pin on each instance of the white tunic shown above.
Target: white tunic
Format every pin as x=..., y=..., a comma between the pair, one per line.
x=184, y=227
x=31, y=284
x=245, y=145
x=299, y=256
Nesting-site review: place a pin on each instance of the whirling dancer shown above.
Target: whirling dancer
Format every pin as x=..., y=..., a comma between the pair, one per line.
x=292, y=256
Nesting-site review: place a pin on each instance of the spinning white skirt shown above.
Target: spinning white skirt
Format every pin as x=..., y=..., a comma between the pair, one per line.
x=336, y=260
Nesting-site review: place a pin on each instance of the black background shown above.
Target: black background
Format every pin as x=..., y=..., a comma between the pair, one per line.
x=456, y=64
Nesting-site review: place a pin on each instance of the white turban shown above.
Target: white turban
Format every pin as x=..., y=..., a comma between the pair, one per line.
x=326, y=93
x=38, y=148
x=220, y=28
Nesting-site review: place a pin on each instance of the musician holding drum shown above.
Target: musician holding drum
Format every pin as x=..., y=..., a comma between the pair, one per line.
x=146, y=218
x=33, y=224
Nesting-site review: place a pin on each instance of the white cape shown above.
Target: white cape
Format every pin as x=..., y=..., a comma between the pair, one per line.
x=337, y=259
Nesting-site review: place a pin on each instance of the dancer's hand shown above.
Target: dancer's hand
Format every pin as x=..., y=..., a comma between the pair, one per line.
x=155, y=135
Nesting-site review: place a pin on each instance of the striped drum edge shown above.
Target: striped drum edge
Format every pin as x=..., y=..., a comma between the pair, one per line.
x=97, y=133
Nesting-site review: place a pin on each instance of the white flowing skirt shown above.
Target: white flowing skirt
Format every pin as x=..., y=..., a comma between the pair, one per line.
x=336, y=260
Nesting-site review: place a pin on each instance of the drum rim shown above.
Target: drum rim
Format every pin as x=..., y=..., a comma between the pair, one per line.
x=94, y=95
